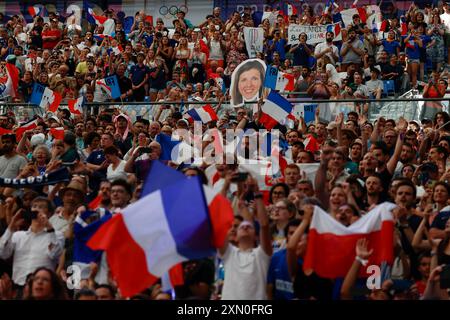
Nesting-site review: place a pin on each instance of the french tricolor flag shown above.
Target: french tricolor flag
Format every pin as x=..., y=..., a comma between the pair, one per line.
x=12, y=81
x=404, y=27
x=76, y=106
x=204, y=114
x=101, y=37
x=291, y=9
x=311, y=144
x=328, y=7
x=91, y=16
x=278, y=80
x=336, y=29
x=45, y=97
x=331, y=245
x=274, y=110
x=361, y=12
x=117, y=50
x=159, y=231
x=34, y=11
x=212, y=174
x=104, y=87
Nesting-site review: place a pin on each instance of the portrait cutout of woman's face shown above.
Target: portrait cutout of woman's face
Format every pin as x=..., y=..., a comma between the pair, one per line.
x=249, y=83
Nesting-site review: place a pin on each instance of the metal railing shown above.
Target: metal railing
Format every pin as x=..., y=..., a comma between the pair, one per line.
x=411, y=106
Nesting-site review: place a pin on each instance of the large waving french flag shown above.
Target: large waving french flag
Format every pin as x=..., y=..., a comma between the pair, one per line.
x=274, y=110
x=204, y=114
x=91, y=16
x=12, y=81
x=159, y=231
x=331, y=245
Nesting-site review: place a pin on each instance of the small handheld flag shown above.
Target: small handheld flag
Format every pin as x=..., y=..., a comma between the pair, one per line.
x=45, y=98
x=274, y=110
x=278, y=80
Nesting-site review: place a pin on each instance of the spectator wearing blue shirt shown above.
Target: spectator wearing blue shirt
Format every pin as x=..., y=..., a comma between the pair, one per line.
x=279, y=282
x=426, y=39
x=413, y=43
x=301, y=51
x=390, y=45
x=139, y=77
x=277, y=45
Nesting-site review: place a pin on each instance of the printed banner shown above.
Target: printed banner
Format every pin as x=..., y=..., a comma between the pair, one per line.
x=305, y=110
x=254, y=40
x=54, y=177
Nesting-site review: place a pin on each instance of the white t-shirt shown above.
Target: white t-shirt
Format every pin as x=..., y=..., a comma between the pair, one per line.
x=245, y=274
x=118, y=173
x=323, y=46
x=445, y=18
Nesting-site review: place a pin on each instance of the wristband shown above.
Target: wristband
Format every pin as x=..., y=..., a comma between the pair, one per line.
x=362, y=261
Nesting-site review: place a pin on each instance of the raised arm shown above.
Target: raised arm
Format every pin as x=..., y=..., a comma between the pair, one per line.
x=362, y=255
x=294, y=240
x=401, y=130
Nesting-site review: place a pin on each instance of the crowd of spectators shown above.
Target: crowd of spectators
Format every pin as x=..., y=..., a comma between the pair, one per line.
x=359, y=164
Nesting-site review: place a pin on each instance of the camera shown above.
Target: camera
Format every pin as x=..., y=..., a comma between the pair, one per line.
x=445, y=277
x=68, y=164
x=240, y=177
x=30, y=215
x=145, y=150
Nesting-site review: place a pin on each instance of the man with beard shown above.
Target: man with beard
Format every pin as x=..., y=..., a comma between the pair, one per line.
x=374, y=188
x=304, y=81
x=327, y=49
x=125, y=84
x=11, y=163
x=406, y=156
x=407, y=221
x=79, y=130
x=386, y=163
x=352, y=50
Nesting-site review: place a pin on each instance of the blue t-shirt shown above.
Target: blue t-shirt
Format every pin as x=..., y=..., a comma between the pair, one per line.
x=279, y=47
x=301, y=57
x=390, y=46
x=278, y=275
x=440, y=220
x=413, y=53
x=138, y=73
x=96, y=157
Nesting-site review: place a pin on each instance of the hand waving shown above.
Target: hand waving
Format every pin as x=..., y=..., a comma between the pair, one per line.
x=362, y=250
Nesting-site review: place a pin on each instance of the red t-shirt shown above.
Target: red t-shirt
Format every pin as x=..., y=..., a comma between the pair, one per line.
x=50, y=44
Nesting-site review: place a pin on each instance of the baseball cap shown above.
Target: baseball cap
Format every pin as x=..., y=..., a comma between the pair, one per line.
x=246, y=223
x=332, y=125
x=37, y=139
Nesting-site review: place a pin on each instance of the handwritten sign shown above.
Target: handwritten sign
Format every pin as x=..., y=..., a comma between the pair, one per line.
x=316, y=34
